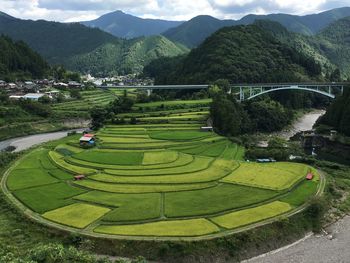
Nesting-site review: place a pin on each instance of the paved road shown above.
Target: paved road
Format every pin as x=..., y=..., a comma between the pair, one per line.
x=320, y=249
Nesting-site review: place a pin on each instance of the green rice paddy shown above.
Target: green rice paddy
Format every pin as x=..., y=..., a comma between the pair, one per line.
x=155, y=180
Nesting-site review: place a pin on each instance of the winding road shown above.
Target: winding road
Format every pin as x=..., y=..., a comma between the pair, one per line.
x=327, y=248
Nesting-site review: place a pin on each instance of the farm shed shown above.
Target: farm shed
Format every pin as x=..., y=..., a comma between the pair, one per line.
x=87, y=140
x=79, y=177
x=309, y=176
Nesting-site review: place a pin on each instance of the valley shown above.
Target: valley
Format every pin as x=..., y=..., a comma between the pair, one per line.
x=134, y=139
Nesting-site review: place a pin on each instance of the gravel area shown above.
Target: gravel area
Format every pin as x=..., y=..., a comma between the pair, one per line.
x=331, y=247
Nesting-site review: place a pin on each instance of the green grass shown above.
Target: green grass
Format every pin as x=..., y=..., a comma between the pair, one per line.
x=115, y=139
x=48, y=197
x=217, y=170
x=128, y=207
x=199, y=163
x=175, y=102
x=214, y=200
x=150, y=158
x=301, y=194
x=59, y=160
x=77, y=215
x=251, y=215
x=115, y=158
x=143, y=188
x=26, y=178
x=178, y=228
x=180, y=135
x=277, y=176
x=183, y=159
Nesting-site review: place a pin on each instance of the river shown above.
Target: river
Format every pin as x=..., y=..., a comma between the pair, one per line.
x=304, y=123
x=25, y=142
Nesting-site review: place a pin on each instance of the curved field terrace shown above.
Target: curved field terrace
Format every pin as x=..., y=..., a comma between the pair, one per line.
x=155, y=181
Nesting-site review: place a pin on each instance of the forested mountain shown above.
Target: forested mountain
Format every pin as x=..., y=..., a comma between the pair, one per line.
x=195, y=31
x=85, y=49
x=241, y=54
x=127, y=26
x=127, y=56
x=17, y=60
x=338, y=114
x=334, y=43
x=54, y=41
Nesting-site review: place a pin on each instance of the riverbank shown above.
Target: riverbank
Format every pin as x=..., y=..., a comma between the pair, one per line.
x=25, y=142
x=305, y=122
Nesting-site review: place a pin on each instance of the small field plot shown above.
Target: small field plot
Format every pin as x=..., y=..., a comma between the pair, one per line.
x=128, y=207
x=214, y=200
x=48, y=197
x=191, y=227
x=25, y=178
x=122, y=158
x=32, y=160
x=150, y=158
x=60, y=162
x=76, y=215
x=251, y=215
x=142, y=188
x=180, y=135
x=182, y=160
x=218, y=169
x=199, y=164
x=301, y=194
x=271, y=176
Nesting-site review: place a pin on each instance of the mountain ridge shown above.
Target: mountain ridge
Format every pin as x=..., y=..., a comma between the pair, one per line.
x=308, y=25
x=114, y=23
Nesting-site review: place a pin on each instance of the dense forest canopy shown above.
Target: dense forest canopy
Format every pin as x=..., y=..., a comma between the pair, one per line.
x=241, y=54
x=17, y=60
x=338, y=114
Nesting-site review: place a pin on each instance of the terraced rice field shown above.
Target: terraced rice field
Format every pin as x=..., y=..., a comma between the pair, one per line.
x=155, y=181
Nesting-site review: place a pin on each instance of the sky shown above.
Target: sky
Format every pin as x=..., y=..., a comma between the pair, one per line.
x=81, y=10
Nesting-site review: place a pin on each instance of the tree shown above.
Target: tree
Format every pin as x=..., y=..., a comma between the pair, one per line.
x=45, y=99
x=98, y=117
x=121, y=105
x=226, y=114
x=74, y=93
x=335, y=76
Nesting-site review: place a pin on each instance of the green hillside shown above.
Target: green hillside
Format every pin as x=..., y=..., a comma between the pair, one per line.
x=125, y=56
x=17, y=60
x=334, y=43
x=241, y=54
x=86, y=49
x=338, y=114
x=54, y=41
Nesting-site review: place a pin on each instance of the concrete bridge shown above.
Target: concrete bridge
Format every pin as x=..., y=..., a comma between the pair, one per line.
x=250, y=91
x=149, y=89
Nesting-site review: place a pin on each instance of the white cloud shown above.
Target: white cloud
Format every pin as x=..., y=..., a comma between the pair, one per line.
x=78, y=10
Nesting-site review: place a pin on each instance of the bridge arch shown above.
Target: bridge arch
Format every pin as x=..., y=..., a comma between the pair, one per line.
x=248, y=92
x=330, y=95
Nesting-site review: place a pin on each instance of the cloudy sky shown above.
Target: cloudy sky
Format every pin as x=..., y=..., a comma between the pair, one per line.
x=78, y=10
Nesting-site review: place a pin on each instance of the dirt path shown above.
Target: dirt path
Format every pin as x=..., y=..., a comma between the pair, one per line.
x=330, y=248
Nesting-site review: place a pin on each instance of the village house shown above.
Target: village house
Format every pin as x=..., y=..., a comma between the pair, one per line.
x=87, y=139
x=33, y=96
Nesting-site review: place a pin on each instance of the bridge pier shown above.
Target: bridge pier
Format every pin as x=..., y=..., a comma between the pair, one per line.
x=149, y=92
